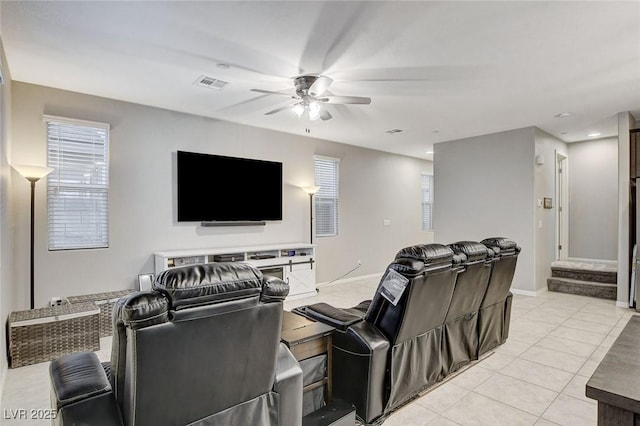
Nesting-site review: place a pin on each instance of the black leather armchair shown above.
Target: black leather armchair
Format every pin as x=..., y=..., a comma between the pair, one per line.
x=202, y=348
x=385, y=357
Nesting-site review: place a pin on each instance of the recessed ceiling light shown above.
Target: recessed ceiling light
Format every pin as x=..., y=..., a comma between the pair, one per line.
x=593, y=135
x=563, y=133
x=563, y=115
x=436, y=131
x=223, y=66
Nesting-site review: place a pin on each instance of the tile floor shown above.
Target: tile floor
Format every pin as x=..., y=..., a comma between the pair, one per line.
x=537, y=377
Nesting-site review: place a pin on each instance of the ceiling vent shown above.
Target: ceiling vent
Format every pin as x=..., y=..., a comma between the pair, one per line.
x=210, y=82
x=394, y=131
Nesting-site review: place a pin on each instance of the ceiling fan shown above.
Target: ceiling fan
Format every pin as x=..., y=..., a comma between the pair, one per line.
x=310, y=97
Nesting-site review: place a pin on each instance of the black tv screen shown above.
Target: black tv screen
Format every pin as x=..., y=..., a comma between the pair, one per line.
x=218, y=188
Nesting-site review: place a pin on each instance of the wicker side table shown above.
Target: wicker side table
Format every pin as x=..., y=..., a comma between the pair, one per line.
x=105, y=302
x=39, y=335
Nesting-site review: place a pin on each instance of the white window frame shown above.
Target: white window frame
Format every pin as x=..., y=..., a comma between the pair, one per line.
x=86, y=224
x=427, y=201
x=328, y=195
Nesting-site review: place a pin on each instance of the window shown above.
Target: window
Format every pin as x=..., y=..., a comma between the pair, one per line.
x=78, y=187
x=426, y=184
x=326, y=170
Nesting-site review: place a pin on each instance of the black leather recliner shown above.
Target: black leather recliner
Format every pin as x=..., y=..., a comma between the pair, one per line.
x=394, y=353
x=495, y=312
x=460, y=331
x=202, y=348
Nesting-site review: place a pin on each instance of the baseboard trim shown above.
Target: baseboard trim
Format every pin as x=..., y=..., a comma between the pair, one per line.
x=622, y=304
x=529, y=293
x=349, y=280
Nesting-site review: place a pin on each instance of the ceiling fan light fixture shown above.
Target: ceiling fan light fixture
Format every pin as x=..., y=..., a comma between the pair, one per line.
x=307, y=100
x=314, y=111
x=298, y=110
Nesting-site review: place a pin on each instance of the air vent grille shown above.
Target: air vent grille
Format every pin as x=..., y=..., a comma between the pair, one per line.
x=394, y=131
x=210, y=82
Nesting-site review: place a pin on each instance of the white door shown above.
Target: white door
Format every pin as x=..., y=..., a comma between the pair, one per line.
x=301, y=279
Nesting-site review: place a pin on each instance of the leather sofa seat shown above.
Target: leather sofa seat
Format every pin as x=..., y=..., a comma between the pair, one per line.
x=455, y=303
x=201, y=348
x=460, y=332
x=495, y=311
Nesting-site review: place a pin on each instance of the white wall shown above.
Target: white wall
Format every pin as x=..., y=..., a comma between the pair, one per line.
x=593, y=205
x=546, y=238
x=374, y=186
x=484, y=187
x=6, y=219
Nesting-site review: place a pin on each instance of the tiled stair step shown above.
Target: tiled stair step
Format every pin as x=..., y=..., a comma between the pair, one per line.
x=584, y=288
x=607, y=277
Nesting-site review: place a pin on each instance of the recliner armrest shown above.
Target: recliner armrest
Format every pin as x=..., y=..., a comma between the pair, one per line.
x=288, y=384
x=327, y=314
x=360, y=358
x=273, y=289
x=81, y=393
x=77, y=376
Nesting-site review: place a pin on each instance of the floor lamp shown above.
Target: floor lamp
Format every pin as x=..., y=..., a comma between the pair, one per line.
x=311, y=190
x=32, y=174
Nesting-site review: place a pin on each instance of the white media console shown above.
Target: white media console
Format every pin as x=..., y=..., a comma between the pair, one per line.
x=294, y=263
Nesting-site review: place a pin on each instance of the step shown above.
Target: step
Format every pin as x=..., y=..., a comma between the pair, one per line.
x=583, y=274
x=583, y=288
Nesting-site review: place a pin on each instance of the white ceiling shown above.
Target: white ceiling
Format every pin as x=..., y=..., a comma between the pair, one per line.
x=437, y=70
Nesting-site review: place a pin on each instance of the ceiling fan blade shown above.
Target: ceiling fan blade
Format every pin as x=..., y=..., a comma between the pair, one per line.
x=320, y=86
x=274, y=111
x=269, y=92
x=420, y=73
x=325, y=115
x=345, y=100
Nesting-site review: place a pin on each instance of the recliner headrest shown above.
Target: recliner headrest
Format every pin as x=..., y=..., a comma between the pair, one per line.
x=197, y=285
x=472, y=251
x=429, y=254
x=504, y=245
x=141, y=309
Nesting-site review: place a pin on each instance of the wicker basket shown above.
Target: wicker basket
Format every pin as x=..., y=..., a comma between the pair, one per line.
x=105, y=302
x=40, y=335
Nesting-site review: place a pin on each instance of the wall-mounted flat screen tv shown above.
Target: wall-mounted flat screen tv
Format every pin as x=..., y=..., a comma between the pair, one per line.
x=214, y=188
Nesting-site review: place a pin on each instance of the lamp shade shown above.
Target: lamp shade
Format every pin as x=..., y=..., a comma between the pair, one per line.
x=32, y=172
x=311, y=189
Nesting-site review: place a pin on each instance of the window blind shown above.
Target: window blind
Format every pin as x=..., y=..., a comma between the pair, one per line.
x=327, y=178
x=426, y=184
x=78, y=187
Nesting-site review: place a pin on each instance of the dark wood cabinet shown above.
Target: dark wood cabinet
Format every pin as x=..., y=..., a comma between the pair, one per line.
x=307, y=339
x=615, y=383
